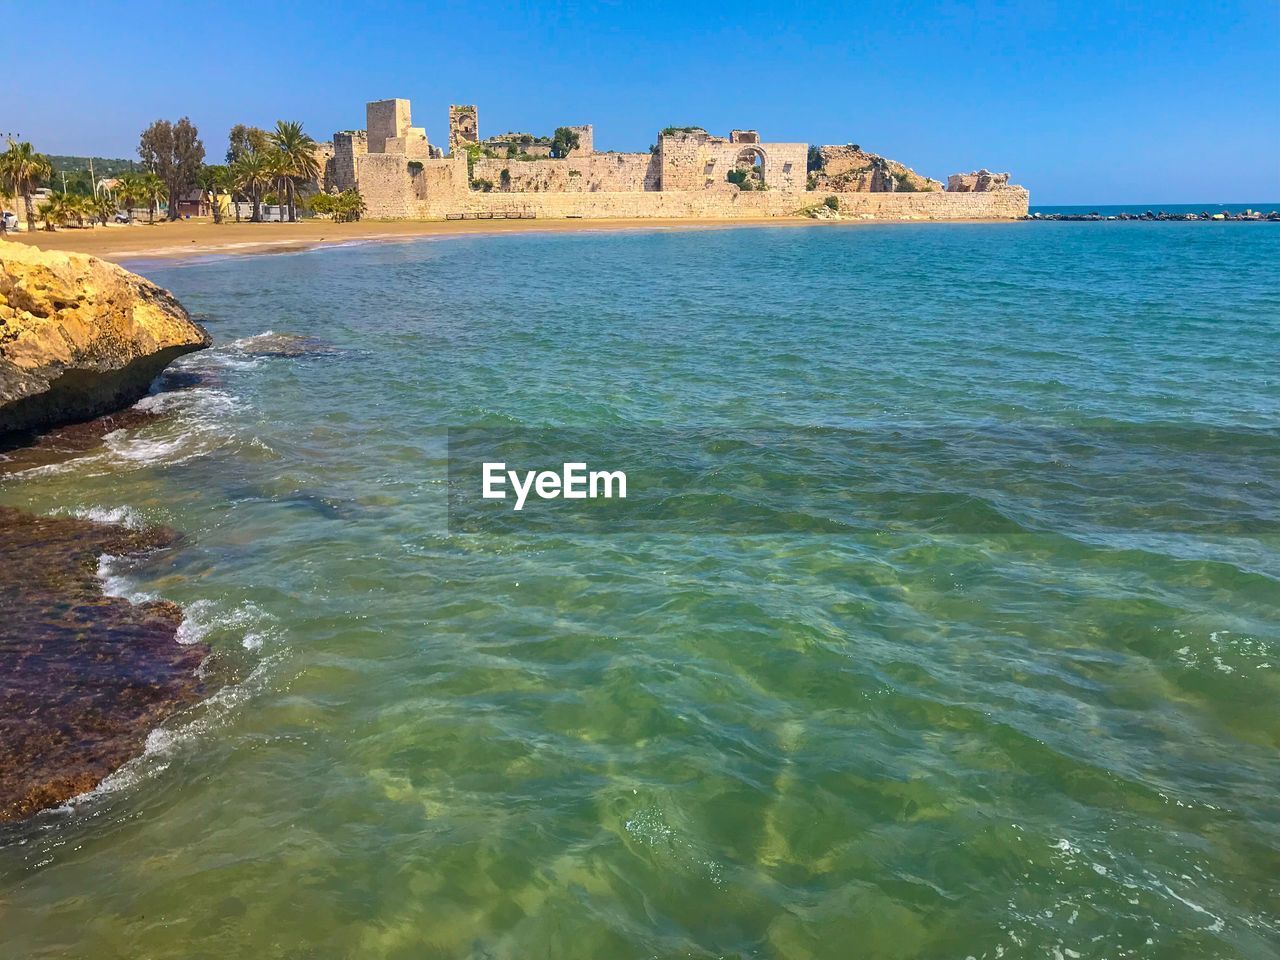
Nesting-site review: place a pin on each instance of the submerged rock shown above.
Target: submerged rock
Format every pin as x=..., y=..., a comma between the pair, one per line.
x=83, y=676
x=80, y=337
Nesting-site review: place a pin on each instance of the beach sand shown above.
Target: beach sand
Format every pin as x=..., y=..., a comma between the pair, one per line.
x=186, y=238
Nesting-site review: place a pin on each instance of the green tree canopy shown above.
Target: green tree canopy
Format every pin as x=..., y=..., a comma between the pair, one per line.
x=174, y=153
x=563, y=141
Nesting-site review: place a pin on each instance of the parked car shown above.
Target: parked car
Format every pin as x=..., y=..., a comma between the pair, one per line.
x=122, y=217
x=10, y=221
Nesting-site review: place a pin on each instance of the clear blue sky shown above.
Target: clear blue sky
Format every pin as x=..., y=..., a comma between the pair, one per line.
x=1150, y=102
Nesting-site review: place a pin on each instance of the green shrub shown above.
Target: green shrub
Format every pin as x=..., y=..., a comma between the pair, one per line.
x=832, y=203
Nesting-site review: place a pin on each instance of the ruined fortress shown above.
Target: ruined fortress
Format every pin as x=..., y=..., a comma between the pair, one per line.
x=687, y=173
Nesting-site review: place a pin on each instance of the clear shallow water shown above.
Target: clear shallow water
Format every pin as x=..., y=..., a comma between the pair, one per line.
x=1051, y=734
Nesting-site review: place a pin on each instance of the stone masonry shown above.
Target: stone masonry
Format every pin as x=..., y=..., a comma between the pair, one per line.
x=688, y=173
x=464, y=126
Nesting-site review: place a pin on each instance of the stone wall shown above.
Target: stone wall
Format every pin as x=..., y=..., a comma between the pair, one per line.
x=594, y=173
x=323, y=152
x=385, y=120
x=976, y=182
x=586, y=141
x=695, y=161
x=348, y=146
x=386, y=187
x=724, y=202
x=464, y=125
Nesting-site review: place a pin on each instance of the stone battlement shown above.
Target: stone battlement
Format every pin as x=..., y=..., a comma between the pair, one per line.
x=687, y=173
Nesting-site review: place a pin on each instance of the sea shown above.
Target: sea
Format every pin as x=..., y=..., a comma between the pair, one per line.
x=940, y=619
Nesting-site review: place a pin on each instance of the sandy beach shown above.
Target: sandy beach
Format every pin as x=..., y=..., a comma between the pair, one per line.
x=186, y=238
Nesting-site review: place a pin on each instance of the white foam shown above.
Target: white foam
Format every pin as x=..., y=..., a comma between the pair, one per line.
x=204, y=617
x=164, y=741
x=120, y=516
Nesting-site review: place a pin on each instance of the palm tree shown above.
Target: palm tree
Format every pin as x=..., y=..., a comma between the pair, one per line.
x=250, y=173
x=49, y=211
x=297, y=153
x=20, y=169
x=154, y=190
x=129, y=192
x=213, y=179
x=102, y=207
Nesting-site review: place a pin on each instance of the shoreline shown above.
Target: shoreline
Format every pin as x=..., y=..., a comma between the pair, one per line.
x=183, y=239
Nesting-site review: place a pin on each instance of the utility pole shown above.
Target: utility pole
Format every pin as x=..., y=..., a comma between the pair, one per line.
x=93, y=181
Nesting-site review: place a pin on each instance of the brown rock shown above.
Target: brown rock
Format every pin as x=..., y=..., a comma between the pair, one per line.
x=850, y=169
x=83, y=676
x=80, y=337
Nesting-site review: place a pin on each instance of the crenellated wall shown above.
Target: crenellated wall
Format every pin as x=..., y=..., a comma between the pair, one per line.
x=687, y=175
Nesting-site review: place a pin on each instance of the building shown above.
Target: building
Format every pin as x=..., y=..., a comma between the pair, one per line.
x=687, y=173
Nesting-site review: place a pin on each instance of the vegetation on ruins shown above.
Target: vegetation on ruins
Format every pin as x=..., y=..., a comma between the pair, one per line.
x=342, y=207
x=20, y=169
x=295, y=160
x=174, y=153
x=832, y=203
x=563, y=141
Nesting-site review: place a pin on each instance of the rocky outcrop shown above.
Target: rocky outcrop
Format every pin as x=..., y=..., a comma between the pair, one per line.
x=850, y=169
x=84, y=677
x=80, y=337
x=979, y=181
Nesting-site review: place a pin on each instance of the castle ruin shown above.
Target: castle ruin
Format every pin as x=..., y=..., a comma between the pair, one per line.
x=688, y=172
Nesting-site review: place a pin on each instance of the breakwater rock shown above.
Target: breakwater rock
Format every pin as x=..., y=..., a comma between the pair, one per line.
x=80, y=337
x=1159, y=215
x=83, y=676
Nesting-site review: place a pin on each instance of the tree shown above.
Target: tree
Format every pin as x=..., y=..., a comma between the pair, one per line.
x=154, y=191
x=244, y=139
x=215, y=179
x=250, y=174
x=129, y=192
x=173, y=152
x=50, y=212
x=563, y=141
x=102, y=207
x=20, y=169
x=298, y=159
x=342, y=207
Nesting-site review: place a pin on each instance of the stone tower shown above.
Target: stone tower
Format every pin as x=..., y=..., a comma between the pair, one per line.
x=464, y=126
x=385, y=120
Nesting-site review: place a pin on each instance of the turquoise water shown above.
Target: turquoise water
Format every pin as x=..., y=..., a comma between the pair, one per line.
x=993, y=673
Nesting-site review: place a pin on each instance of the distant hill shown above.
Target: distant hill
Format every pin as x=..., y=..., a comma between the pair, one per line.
x=102, y=166
x=77, y=171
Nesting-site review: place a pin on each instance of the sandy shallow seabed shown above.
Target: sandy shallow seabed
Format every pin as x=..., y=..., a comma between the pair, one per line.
x=186, y=238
